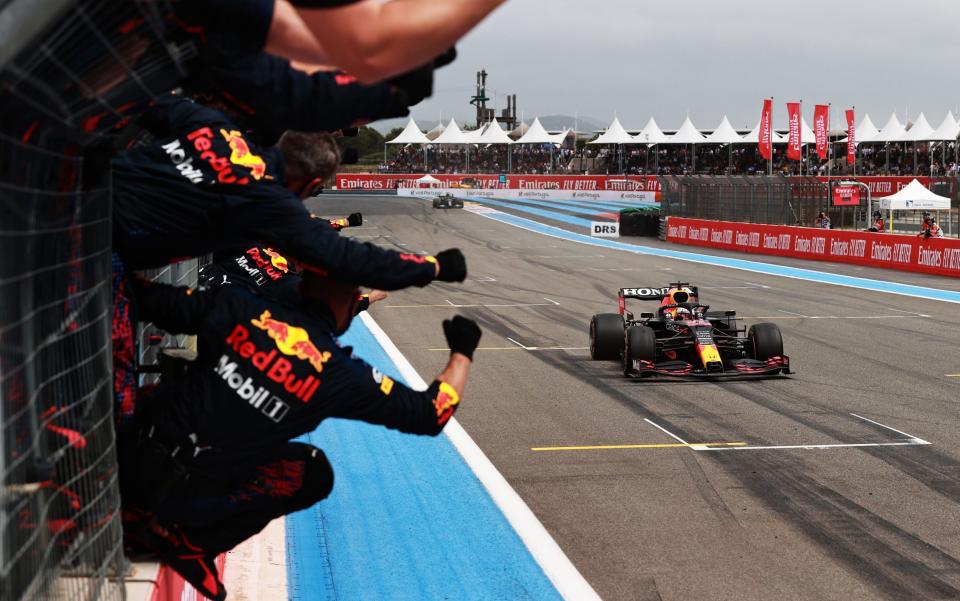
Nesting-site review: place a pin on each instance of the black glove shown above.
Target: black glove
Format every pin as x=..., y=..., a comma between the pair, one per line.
x=453, y=265
x=355, y=219
x=463, y=335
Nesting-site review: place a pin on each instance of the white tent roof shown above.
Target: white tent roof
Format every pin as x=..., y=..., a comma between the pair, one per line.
x=920, y=132
x=429, y=179
x=754, y=136
x=866, y=131
x=538, y=135
x=650, y=134
x=806, y=134
x=891, y=131
x=493, y=134
x=411, y=134
x=451, y=135
x=687, y=134
x=473, y=136
x=724, y=134
x=948, y=130
x=615, y=134
x=915, y=196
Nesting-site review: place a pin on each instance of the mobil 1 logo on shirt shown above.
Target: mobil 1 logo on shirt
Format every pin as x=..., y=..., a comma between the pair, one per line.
x=605, y=229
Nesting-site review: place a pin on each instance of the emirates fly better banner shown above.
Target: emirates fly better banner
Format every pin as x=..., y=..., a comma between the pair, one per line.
x=794, y=142
x=939, y=256
x=821, y=125
x=765, y=141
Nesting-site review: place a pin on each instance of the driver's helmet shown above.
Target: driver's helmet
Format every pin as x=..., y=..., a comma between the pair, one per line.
x=682, y=313
x=678, y=296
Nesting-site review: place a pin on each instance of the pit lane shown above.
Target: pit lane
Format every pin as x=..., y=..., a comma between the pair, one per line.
x=667, y=521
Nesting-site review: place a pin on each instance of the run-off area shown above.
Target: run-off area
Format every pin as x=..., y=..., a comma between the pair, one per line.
x=698, y=506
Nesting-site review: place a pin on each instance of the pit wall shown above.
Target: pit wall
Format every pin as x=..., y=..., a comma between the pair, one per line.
x=938, y=256
x=513, y=194
x=880, y=186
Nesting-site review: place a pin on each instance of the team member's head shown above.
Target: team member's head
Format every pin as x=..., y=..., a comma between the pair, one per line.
x=340, y=298
x=310, y=159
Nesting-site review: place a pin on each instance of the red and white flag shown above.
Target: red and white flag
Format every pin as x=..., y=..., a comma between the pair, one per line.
x=765, y=141
x=821, y=124
x=851, y=139
x=794, y=143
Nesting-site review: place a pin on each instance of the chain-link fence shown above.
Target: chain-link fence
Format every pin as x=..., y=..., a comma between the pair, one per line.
x=70, y=70
x=780, y=200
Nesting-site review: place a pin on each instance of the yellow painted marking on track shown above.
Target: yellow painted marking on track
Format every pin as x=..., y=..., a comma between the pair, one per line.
x=952, y=375
x=668, y=445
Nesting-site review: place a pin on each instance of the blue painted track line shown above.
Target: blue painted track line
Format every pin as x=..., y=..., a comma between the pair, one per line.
x=753, y=266
x=407, y=519
x=588, y=208
x=578, y=221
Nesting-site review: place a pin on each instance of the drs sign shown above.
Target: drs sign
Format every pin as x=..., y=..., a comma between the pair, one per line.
x=605, y=229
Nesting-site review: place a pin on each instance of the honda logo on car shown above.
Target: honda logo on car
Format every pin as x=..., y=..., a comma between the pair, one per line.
x=605, y=229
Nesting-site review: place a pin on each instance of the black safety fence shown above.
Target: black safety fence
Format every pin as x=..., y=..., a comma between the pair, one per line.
x=70, y=71
x=779, y=200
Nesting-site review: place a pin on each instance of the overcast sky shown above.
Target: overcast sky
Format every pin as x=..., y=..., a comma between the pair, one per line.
x=707, y=58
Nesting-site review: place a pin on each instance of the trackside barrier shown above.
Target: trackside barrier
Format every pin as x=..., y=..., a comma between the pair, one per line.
x=939, y=256
x=600, y=195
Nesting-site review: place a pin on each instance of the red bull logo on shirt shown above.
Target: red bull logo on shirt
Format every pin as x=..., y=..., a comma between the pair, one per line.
x=277, y=260
x=292, y=340
x=240, y=154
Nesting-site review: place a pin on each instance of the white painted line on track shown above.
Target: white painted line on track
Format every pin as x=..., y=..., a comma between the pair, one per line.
x=911, y=436
x=792, y=313
x=526, y=348
x=665, y=431
x=813, y=447
x=909, y=312
x=569, y=582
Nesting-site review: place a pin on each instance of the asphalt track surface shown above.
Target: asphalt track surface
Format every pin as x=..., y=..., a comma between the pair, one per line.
x=731, y=520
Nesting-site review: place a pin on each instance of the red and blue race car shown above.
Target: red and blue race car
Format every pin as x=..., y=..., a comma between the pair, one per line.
x=684, y=338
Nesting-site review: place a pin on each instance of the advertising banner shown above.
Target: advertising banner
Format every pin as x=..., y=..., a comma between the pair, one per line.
x=821, y=126
x=940, y=256
x=851, y=139
x=846, y=196
x=602, y=195
x=793, y=142
x=765, y=141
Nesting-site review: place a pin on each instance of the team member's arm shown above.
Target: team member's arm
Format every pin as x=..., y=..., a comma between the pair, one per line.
x=371, y=39
x=378, y=399
x=286, y=225
x=176, y=309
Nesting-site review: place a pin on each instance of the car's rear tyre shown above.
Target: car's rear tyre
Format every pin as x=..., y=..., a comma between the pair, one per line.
x=606, y=336
x=639, y=343
x=764, y=341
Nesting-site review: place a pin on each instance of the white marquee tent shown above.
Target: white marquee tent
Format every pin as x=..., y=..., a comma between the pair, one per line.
x=948, y=130
x=452, y=134
x=891, y=131
x=919, y=132
x=687, y=134
x=724, y=134
x=411, y=134
x=493, y=134
x=915, y=196
x=650, y=134
x=615, y=134
x=806, y=134
x=536, y=134
x=866, y=131
x=754, y=136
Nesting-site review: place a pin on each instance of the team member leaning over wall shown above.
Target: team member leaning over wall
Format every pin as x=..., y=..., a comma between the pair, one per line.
x=208, y=460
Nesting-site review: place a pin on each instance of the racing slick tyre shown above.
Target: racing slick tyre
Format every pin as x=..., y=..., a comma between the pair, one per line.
x=639, y=342
x=437, y=203
x=764, y=341
x=606, y=336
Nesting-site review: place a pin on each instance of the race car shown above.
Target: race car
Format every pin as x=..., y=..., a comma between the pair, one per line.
x=447, y=201
x=684, y=338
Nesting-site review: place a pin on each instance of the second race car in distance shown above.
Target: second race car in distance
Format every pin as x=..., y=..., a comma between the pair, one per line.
x=447, y=201
x=684, y=338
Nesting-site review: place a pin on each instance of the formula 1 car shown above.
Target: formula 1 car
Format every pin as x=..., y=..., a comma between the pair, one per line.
x=447, y=201
x=685, y=338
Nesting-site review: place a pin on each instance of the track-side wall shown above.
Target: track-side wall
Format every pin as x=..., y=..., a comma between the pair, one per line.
x=940, y=256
